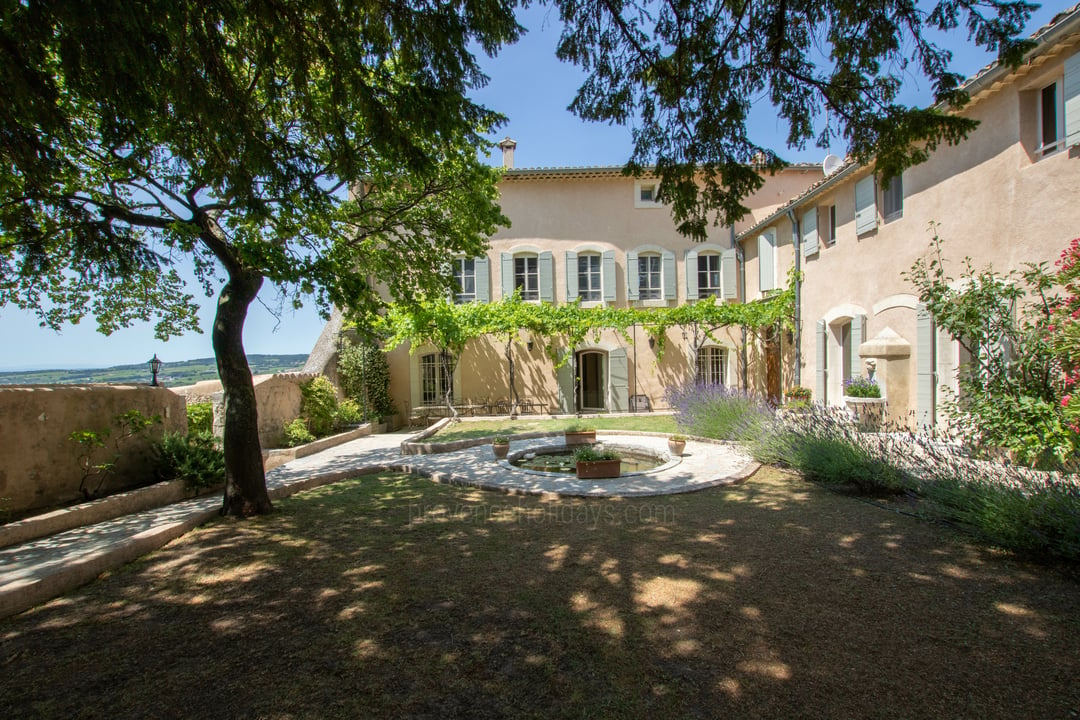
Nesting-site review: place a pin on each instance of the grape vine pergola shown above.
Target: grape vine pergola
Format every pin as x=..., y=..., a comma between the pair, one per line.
x=449, y=327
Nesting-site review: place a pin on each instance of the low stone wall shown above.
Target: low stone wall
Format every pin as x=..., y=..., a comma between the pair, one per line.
x=40, y=464
x=278, y=400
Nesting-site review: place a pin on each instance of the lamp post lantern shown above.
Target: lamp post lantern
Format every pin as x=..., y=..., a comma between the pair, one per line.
x=155, y=365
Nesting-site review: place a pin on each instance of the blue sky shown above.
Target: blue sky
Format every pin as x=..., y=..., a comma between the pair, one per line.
x=528, y=85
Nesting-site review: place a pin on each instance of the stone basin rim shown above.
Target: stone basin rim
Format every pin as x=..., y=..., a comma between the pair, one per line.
x=669, y=460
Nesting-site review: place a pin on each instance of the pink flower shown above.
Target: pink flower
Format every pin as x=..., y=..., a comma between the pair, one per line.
x=1065, y=400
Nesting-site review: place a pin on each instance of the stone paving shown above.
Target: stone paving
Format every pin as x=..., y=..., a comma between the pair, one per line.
x=36, y=571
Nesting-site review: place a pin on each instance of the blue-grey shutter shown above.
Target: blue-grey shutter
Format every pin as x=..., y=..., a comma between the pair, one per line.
x=822, y=372
x=507, y=278
x=691, y=275
x=667, y=265
x=619, y=380
x=546, y=268
x=483, y=280
x=1072, y=100
x=865, y=206
x=631, y=275
x=607, y=268
x=925, y=377
x=809, y=233
x=728, y=267
x=767, y=260
x=571, y=276
x=565, y=378
x=858, y=337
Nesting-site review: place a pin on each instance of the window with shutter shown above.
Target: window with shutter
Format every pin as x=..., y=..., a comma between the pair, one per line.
x=865, y=206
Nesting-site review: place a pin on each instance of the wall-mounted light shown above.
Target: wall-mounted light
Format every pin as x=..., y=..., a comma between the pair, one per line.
x=652, y=342
x=155, y=365
x=529, y=345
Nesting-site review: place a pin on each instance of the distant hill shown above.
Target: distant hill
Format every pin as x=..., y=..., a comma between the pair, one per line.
x=184, y=372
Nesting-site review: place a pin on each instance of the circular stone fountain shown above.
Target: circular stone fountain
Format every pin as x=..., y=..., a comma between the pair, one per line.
x=558, y=460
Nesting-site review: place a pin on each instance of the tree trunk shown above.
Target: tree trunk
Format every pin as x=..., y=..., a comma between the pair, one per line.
x=448, y=373
x=515, y=401
x=245, y=480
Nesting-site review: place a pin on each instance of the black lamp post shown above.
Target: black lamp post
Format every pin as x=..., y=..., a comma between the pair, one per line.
x=155, y=365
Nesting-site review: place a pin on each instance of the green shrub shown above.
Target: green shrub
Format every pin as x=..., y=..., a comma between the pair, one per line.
x=364, y=375
x=200, y=417
x=318, y=404
x=347, y=413
x=589, y=453
x=1029, y=511
x=196, y=459
x=297, y=433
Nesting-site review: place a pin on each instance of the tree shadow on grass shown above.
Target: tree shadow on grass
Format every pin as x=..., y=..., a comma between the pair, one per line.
x=397, y=597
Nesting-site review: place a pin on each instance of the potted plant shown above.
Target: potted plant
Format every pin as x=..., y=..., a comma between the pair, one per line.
x=797, y=396
x=593, y=463
x=676, y=444
x=860, y=387
x=500, y=446
x=863, y=399
x=580, y=435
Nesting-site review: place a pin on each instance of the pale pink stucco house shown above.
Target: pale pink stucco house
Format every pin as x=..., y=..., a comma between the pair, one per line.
x=594, y=236
x=1008, y=195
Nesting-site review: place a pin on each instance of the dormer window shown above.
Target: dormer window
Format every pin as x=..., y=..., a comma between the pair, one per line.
x=647, y=194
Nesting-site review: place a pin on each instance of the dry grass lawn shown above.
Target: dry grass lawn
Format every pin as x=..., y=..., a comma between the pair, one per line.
x=388, y=597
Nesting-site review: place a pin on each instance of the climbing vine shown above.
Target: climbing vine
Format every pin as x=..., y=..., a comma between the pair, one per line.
x=450, y=327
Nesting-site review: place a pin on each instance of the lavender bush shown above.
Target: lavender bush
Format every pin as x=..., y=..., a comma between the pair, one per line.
x=861, y=387
x=718, y=412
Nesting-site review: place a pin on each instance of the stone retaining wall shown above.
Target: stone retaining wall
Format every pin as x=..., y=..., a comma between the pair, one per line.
x=40, y=464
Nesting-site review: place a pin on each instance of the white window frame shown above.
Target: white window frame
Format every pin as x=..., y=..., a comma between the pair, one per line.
x=705, y=291
x=712, y=365
x=894, y=193
x=431, y=370
x=646, y=187
x=1045, y=149
x=593, y=276
x=460, y=276
x=521, y=279
x=646, y=290
x=827, y=224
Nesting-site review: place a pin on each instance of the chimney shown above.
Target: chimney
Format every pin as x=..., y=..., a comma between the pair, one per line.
x=507, y=146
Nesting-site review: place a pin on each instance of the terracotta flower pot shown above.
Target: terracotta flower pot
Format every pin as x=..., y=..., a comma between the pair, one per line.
x=676, y=447
x=580, y=437
x=598, y=469
x=500, y=450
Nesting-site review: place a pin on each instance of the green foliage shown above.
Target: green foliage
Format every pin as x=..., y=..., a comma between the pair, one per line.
x=365, y=377
x=500, y=440
x=860, y=387
x=1011, y=389
x=798, y=392
x=660, y=68
x=195, y=458
x=318, y=405
x=311, y=146
x=1032, y=515
x=579, y=427
x=589, y=453
x=297, y=433
x=128, y=425
x=347, y=413
x=200, y=417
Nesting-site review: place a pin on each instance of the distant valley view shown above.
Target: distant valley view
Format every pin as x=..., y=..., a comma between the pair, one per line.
x=172, y=374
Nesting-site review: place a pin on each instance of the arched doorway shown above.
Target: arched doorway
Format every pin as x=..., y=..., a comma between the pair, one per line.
x=591, y=385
